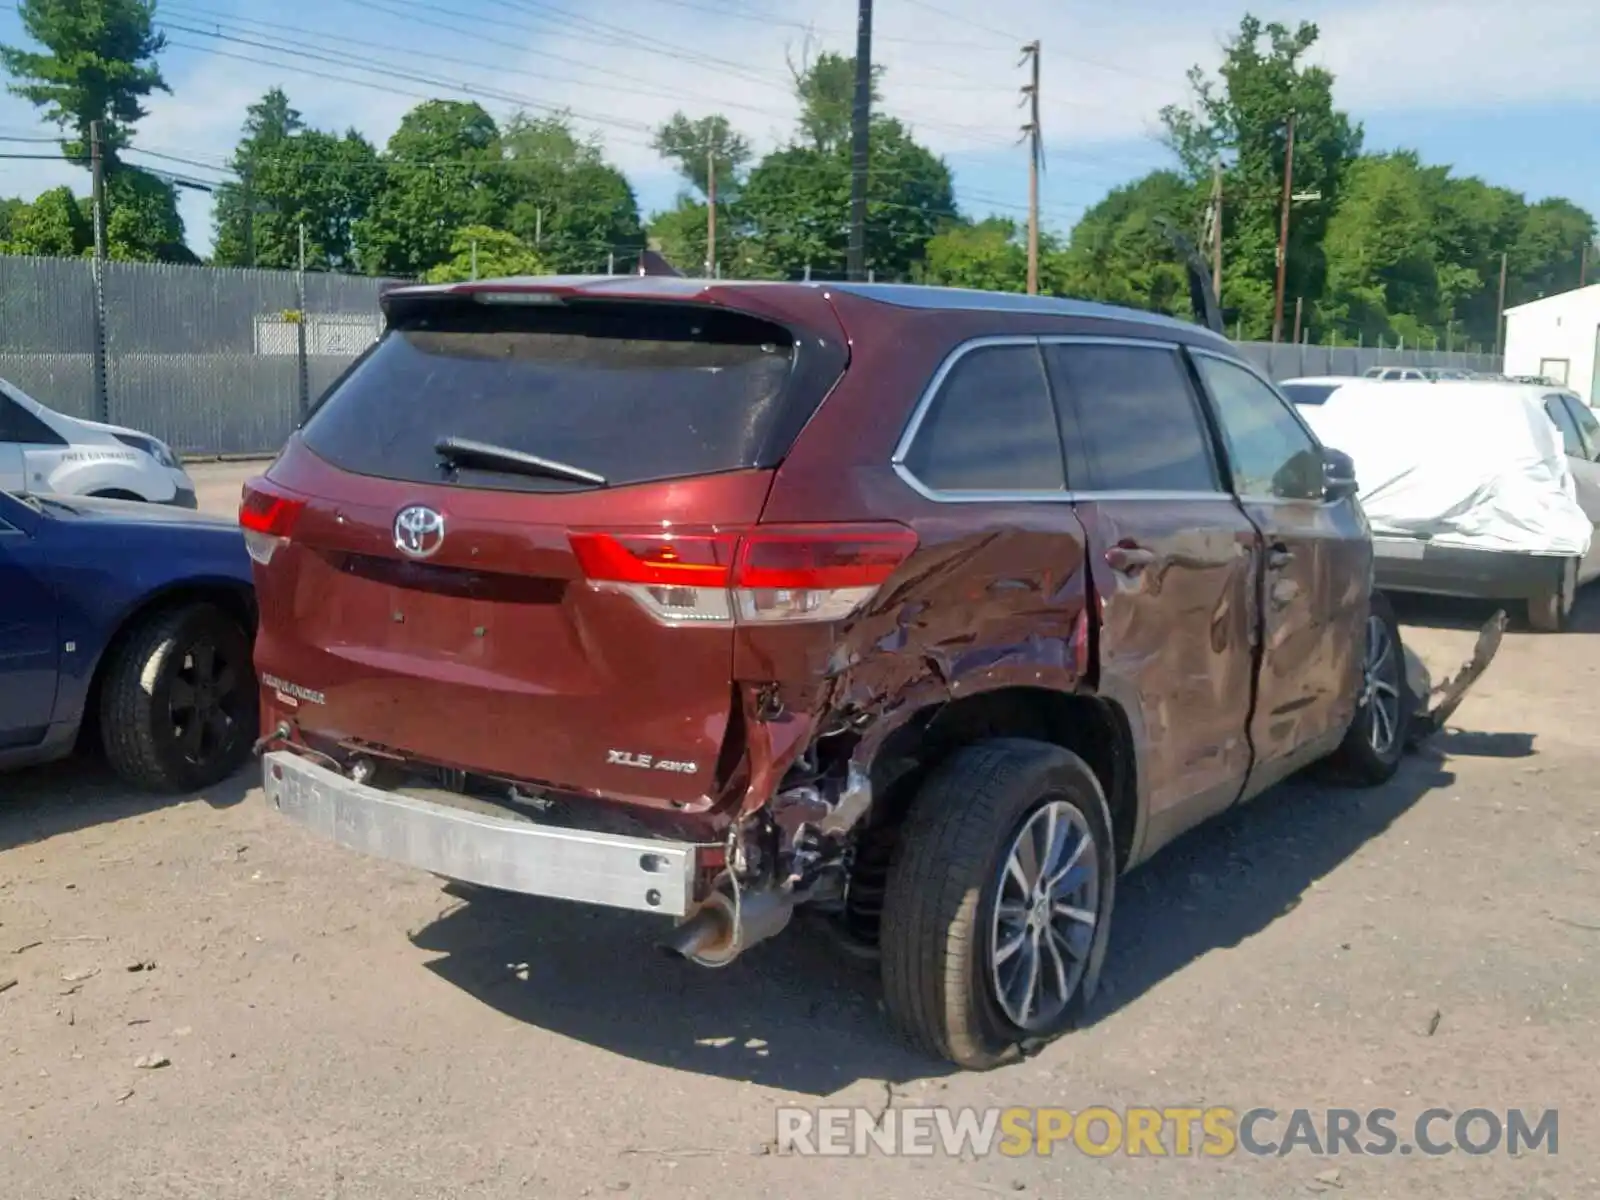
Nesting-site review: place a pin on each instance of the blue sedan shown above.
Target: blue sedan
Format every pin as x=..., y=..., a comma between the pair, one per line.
x=132, y=620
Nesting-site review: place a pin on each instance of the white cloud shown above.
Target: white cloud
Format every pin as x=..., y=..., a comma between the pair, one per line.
x=1106, y=71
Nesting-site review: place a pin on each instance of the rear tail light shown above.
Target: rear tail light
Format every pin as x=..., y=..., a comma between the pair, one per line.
x=268, y=517
x=765, y=575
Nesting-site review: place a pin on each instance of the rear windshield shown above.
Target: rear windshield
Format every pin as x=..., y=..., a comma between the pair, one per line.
x=1308, y=393
x=628, y=392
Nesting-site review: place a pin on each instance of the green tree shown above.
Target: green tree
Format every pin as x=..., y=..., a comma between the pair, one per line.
x=1546, y=256
x=794, y=207
x=1120, y=253
x=441, y=174
x=564, y=199
x=987, y=254
x=293, y=176
x=692, y=145
x=143, y=223
x=98, y=64
x=826, y=89
x=1241, y=120
x=53, y=226
x=482, y=252
x=1383, y=274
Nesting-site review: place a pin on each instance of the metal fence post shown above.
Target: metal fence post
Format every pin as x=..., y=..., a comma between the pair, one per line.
x=300, y=330
x=102, y=392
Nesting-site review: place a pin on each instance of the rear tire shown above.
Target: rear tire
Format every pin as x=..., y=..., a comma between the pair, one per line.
x=962, y=920
x=1549, y=611
x=178, y=704
x=1376, y=740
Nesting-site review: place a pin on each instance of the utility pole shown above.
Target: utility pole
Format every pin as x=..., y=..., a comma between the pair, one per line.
x=1583, y=266
x=1283, y=233
x=97, y=175
x=538, y=226
x=711, y=212
x=860, y=145
x=474, y=258
x=1216, y=229
x=1030, y=93
x=1500, y=311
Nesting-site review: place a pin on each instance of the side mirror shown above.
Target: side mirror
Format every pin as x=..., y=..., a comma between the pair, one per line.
x=1338, y=475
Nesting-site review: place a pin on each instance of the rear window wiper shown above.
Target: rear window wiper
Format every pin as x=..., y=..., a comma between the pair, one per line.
x=457, y=452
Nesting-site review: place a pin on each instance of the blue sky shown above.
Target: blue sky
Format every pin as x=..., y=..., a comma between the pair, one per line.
x=1506, y=91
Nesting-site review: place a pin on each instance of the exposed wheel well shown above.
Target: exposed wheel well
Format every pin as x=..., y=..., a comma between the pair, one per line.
x=235, y=600
x=1093, y=728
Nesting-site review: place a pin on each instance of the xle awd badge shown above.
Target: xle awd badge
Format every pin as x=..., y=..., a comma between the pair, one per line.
x=647, y=762
x=418, y=531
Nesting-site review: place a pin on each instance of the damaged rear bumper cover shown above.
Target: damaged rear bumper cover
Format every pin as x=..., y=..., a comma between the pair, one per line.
x=510, y=853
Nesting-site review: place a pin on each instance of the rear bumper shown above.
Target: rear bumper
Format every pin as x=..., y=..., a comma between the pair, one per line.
x=1413, y=565
x=184, y=498
x=509, y=852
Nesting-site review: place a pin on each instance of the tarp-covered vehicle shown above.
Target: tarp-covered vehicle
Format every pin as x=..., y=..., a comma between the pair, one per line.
x=1472, y=489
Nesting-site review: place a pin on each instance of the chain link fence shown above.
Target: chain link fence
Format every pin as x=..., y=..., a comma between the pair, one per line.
x=210, y=360
x=223, y=361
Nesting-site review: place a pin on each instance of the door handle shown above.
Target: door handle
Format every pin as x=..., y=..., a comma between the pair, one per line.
x=1129, y=559
x=1279, y=556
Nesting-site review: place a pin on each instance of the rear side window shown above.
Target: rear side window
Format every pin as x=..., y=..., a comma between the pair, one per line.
x=1587, y=425
x=630, y=393
x=990, y=427
x=1138, y=426
x=1571, y=439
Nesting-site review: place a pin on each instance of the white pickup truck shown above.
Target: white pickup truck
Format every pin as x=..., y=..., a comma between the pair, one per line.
x=43, y=451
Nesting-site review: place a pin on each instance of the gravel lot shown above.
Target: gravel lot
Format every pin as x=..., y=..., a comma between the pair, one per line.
x=337, y=1027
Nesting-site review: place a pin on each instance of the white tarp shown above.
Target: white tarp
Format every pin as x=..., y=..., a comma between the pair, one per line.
x=1474, y=465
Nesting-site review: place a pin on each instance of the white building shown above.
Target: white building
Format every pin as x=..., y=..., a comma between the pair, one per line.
x=1558, y=337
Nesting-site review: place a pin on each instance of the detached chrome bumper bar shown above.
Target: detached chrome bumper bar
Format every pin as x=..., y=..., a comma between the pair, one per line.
x=507, y=852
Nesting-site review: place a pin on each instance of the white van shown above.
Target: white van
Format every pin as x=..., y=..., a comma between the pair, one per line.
x=43, y=451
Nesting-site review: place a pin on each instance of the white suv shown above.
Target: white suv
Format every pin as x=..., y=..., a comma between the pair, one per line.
x=43, y=451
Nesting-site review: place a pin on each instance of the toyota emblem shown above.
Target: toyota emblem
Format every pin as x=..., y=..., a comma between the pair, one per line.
x=418, y=531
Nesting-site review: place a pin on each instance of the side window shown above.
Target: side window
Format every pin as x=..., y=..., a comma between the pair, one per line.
x=1588, y=425
x=1571, y=439
x=991, y=427
x=1137, y=424
x=1270, y=451
x=19, y=426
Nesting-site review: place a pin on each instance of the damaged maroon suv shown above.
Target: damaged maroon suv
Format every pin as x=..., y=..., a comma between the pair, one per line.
x=933, y=610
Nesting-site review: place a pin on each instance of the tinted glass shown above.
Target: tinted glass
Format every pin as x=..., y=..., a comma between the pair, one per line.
x=20, y=426
x=1571, y=441
x=1271, y=452
x=1586, y=422
x=991, y=427
x=631, y=394
x=1136, y=422
x=1309, y=393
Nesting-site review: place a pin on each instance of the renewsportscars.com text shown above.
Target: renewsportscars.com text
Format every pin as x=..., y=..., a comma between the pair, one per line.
x=1176, y=1132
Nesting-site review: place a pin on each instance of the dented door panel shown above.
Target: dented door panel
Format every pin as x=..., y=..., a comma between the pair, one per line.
x=1175, y=645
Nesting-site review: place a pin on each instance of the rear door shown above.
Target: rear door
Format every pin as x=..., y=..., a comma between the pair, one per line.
x=1174, y=562
x=1317, y=577
x=481, y=611
x=27, y=632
